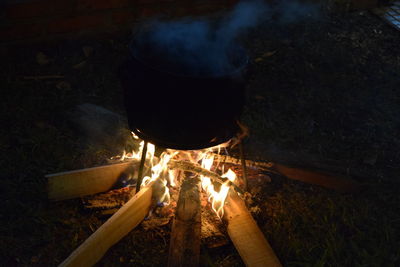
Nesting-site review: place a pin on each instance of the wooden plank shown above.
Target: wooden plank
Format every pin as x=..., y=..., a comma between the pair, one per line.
x=115, y=228
x=248, y=239
x=184, y=249
x=72, y=184
x=340, y=184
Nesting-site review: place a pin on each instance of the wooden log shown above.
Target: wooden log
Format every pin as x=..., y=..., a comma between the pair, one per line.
x=213, y=231
x=194, y=168
x=120, y=224
x=249, y=163
x=335, y=182
x=184, y=249
x=247, y=238
x=345, y=185
x=71, y=184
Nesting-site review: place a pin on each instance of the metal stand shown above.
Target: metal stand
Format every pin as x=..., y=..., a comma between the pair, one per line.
x=244, y=169
x=141, y=166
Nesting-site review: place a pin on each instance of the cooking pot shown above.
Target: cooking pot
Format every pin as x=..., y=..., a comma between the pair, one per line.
x=173, y=105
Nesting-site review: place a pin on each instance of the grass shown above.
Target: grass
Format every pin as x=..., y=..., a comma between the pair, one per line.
x=319, y=228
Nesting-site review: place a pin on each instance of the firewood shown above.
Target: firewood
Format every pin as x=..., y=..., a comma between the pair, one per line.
x=71, y=184
x=213, y=232
x=247, y=238
x=120, y=224
x=340, y=184
x=249, y=163
x=184, y=249
x=307, y=176
x=194, y=168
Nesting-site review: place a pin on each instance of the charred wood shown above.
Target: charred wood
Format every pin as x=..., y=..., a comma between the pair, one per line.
x=249, y=163
x=184, y=249
x=213, y=231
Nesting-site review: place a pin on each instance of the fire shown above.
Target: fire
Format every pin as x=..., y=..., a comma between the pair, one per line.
x=217, y=198
x=163, y=177
x=137, y=155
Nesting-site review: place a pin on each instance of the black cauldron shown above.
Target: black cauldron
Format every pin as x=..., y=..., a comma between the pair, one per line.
x=173, y=106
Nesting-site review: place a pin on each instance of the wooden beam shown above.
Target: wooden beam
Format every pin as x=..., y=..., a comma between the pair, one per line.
x=248, y=239
x=184, y=249
x=345, y=185
x=120, y=224
x=72, y=184
x=335, y=182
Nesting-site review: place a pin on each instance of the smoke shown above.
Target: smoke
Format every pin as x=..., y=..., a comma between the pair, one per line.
x=101, y=127
x=201, y=46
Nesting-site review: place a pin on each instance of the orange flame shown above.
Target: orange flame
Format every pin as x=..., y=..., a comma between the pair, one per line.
x=217, y=198
x=164, y=176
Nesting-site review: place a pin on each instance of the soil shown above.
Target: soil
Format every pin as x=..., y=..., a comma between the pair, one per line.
x=323, y=93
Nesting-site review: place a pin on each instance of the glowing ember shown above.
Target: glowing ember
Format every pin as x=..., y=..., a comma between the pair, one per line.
x=164, y=177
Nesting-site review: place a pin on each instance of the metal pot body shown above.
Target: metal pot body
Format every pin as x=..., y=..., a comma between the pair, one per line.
x=181, y=112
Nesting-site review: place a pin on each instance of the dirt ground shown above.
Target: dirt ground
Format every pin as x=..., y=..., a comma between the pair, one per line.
x=322, y=94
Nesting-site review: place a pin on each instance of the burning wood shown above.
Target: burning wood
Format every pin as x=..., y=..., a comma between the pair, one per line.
x=249, y=163
x=307, y=176
x=213, y=231
x=191, y=167
x=184, y=249
x=185, y=239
